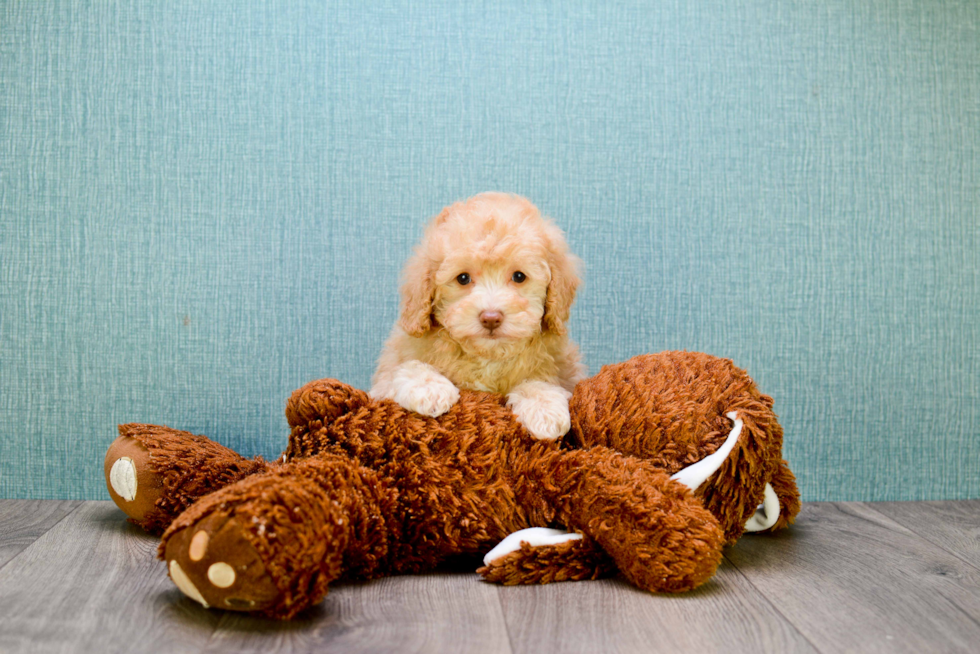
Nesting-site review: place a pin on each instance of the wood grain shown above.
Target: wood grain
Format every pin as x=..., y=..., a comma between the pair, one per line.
x=846, y=577
x=92, y=584
x=23, y=521
x=438, y=612
x=852, y=579
x=727, y=614
x=953, y=526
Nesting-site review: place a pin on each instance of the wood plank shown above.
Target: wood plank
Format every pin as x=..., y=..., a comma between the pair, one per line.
x=953, y=526
x=23, y=521
x=852, y=579
x=848, y=577
x=725, y=615
x=92, y=584
x=438, y=612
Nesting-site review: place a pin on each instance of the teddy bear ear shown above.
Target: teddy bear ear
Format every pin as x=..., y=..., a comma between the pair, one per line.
x=324, y=399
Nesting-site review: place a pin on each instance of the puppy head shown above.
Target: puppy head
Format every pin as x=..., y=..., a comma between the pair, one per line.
x=492, y=272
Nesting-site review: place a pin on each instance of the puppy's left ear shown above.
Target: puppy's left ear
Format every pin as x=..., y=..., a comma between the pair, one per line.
x=564, y=282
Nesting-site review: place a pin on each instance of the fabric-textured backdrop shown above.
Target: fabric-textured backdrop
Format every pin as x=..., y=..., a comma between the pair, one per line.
x=205, y=205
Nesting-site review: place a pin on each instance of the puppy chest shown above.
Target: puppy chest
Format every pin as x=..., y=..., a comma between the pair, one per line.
x=497, y=376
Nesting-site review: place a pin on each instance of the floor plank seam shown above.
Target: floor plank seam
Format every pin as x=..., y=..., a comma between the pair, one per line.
x=924, y=537
x=503, y=614
x=775, y=608
x=78, y=503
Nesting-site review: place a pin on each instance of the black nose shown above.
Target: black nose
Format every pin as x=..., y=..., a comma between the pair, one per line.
x=491, y=319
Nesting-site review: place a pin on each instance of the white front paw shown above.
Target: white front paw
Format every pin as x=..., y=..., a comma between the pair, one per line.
x=431, y=395
x=542, y=408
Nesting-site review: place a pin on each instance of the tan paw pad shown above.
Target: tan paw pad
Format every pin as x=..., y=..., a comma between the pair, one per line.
x=199, y=546
x=186, y=586
x=122, y=477
x=221, y=575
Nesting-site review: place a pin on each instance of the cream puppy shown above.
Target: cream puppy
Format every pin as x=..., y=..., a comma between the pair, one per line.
x=485, y=299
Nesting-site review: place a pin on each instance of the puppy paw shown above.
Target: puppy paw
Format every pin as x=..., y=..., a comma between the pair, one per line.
x=542, y=408
x=419, y=387
x=431, y=400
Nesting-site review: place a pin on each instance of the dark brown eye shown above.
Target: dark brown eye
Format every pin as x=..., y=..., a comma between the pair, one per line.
x=518, y=277
x=463, y=279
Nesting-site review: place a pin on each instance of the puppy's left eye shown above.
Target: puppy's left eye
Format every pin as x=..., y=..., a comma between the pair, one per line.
x=518, y=277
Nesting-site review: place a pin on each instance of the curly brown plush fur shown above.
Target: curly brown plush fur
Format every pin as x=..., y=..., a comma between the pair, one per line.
x=367, y=488
x=670, y=410
x=175, y=468
x=574, y=560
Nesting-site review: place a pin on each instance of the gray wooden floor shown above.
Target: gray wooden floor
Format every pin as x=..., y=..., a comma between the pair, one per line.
x=849, y=577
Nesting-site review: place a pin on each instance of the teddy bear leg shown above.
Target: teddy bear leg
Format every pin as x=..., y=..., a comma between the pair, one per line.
x=153, y=473
x=655, y=530
x=272, y=542
x=540, y=556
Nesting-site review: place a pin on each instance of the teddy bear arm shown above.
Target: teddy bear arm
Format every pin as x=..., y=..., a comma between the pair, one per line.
x=555, y=556
x=655, y=530
x=153, y=473
x=571, y=559
x=323, y=400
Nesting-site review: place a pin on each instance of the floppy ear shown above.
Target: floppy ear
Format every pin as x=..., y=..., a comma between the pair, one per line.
x=418, y=284
x=417, y=291
x=564, y=282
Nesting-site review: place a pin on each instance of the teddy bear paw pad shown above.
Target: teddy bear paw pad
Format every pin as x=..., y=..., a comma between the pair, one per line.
x=199, y=546
x=213, y=563
x=122, y=478
x=185, y=585
x=221, y=574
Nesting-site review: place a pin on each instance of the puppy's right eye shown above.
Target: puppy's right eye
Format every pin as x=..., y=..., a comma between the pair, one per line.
x=463, y=279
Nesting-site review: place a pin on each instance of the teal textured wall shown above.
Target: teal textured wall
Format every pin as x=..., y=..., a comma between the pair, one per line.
x=205, y=205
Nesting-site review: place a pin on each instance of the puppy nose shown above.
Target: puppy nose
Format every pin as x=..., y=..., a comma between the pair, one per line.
x=491, y=319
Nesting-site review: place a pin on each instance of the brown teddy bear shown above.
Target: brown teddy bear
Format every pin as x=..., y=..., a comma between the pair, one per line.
x=670, y=457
